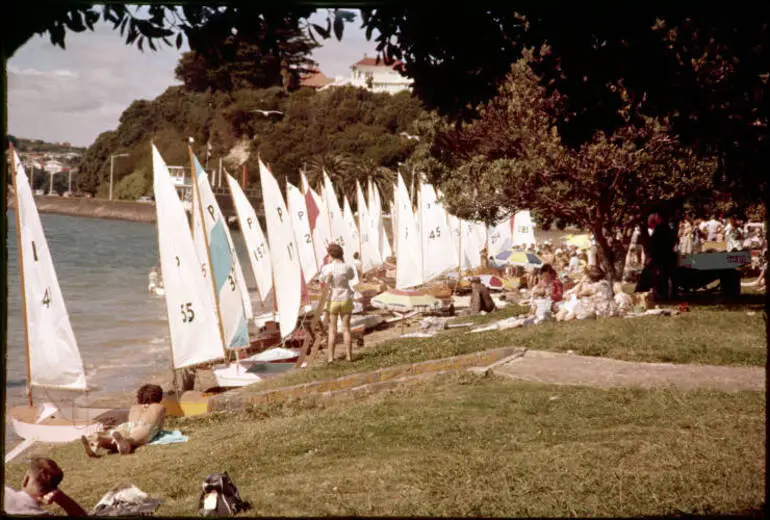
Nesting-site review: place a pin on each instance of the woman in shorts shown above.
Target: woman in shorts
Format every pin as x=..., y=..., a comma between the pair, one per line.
x=337, y=274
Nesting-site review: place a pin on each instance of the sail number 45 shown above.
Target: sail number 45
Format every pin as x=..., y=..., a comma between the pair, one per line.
x=187, y=312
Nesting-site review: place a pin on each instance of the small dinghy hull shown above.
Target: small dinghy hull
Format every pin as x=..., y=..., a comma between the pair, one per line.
x=58, y=427
x=234, y=375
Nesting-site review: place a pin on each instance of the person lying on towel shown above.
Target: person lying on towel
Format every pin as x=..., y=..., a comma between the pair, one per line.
x=145, y=421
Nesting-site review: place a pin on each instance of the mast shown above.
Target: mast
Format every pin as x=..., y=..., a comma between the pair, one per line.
x=20, y=248
x=199, y=205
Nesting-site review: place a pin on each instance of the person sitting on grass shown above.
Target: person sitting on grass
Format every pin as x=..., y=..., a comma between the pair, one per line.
x=145, y=421
x=597, y=295
x=481, y=300
x=549, y=285
x=40, y=487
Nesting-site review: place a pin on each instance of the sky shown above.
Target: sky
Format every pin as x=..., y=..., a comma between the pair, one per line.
x=74, y=94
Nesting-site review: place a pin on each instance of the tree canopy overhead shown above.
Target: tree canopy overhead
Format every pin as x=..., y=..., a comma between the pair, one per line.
x=512, y=157
x=705, y=70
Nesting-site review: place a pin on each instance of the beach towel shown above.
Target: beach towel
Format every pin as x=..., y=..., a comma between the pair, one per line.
x=168, y=437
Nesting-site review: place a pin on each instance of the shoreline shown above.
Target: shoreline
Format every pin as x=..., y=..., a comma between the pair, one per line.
x=93, y=208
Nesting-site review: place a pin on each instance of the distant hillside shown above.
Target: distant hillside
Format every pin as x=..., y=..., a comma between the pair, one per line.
x=351, y=132
x=37, y=145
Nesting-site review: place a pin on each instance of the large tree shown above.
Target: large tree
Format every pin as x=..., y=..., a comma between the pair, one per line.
x=244, y=63
x=513, y=157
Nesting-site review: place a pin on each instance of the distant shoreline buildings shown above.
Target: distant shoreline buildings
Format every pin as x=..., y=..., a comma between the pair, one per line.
x=366, y=73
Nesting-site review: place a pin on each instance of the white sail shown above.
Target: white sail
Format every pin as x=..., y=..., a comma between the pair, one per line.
x=190, y=304
x=385, y=249
x=438, y=250
x=523, y=229
x=302, y=235
x=322, y=234
x=409, y=254
x=500, y=236
x=256, y=244
x=455, y=228
x=368, y=224
x=54, y=357
x=232, y=295
x=305, y=184
x=353, y=236
x=283, y=252
x=472, y=244
x=394, y=219
x=337, y=222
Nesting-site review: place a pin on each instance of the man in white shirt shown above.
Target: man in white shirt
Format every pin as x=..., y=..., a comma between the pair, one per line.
x=712, y=227
x=40, y=487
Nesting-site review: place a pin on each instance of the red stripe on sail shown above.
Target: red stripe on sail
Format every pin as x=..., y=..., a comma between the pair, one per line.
x=312, y=209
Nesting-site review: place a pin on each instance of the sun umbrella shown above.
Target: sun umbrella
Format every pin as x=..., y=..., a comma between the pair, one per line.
x=397, y=300
x=519, y=258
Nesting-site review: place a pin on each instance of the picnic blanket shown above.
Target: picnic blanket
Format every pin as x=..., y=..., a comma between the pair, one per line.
x=169, y=437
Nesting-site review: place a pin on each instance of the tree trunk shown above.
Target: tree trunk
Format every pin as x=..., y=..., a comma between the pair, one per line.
x=607, y=256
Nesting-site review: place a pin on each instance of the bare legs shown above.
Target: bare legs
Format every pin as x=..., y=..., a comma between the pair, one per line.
x=347, y=337
x=331, y=319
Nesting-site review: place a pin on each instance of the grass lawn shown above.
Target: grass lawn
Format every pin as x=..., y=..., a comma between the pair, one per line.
x=457, y=445
x=711, y=335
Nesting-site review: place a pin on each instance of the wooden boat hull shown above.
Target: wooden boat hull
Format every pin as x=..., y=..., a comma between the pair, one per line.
x=189, y=404
x=63, y=426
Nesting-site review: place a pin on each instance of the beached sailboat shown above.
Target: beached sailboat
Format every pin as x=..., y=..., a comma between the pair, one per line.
x=297, y=206
x=368, y=224
x=194, y=327
x=438, y=251
x=523, y=229
x=232, y=297
x=219, y=263
x=287, y=274
x=378, y=221
x=500, y=237
x=52, y=353
x=409, y=252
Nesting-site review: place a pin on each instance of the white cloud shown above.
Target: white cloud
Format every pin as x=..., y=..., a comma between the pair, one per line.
x=74, y=94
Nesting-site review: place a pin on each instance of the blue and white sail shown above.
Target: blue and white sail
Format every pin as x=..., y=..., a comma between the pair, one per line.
x=233, y=299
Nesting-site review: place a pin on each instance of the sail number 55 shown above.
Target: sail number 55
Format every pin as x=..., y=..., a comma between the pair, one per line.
x=187, y=312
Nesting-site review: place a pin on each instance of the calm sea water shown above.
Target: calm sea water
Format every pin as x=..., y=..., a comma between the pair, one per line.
x=103, y=268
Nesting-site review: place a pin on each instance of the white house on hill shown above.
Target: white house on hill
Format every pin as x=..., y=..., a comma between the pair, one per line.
x=378, y=77
x=375, y=77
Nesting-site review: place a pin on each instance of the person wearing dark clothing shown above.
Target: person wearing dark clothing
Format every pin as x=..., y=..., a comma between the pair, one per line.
x=481, y=300
x=659, y=272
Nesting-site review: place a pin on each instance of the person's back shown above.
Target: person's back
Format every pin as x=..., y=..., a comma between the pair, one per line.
x=712, y=227
x=338, y=275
